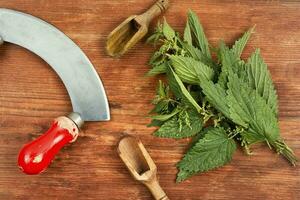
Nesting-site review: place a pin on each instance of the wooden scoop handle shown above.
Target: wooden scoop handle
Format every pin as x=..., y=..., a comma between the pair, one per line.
x=159, y=7
x=140, y=164
x=156, y=190
x=36, y=156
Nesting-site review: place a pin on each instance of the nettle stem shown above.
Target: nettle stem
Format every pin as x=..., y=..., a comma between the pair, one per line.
x=286, y=151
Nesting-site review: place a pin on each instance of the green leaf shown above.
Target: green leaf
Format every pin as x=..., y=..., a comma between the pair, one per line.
x=156, y=59
x=159, y=69
x=249, y=109
x=168, y=32
x=251, y=137
x=196, y=54
x=198, y=34
x=190, y=70
x=227, y=59
x=165, y=117
x=216, y=96
x=214, y=150
x=240, y=44
x=154, y=38
x=183, y=175
x=193, y=52
x=231, y=63
x=187, y=34
x=160, y=106
x=179, y=90
x=162, y=90
x=164, y=104
x=189, y=126
x=260, y=79
x=155, y=123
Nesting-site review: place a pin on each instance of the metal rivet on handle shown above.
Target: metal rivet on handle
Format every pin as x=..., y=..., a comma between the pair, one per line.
x=76, y=118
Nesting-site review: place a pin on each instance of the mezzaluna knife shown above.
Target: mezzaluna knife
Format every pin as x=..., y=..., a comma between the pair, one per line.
x=81, y=80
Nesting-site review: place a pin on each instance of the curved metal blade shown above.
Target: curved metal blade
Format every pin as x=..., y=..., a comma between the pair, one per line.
x=64, y=56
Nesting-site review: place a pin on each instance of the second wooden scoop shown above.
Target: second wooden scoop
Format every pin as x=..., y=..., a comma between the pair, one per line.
x=133, y=29
x=140, y=165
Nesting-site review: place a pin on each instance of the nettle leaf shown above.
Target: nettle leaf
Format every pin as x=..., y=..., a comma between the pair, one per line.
x=180, y=91
x=162, y=90
x=164, y=104
x=184, y=174
x=168, y=31
x=198, y=34
x=155, y=123
x=178, y=128
x=241, y=43
x=187, y=37
x=190, y=70
x=228, y=60
x=260, y=79
x=166, y=116
x=193, y=52
x=196, y=54
x=154, y=38
x=175, y=84
x=156, y=59
x=251, y=137
x=160, y=107
x=158, y=69
x=249, y=109
x=214, y=150
x=231, y=63
x=216, y=96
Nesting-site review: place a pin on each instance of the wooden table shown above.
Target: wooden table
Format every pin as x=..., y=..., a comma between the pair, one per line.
x=31, y=95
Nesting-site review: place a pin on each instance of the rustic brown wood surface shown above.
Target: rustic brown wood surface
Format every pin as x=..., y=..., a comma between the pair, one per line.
x=31, y=95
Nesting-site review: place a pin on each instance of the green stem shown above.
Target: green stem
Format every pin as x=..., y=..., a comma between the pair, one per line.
x=286, y=151
x=233, y=134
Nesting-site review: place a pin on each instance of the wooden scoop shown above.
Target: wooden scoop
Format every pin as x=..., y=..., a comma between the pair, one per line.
x=133, y=29
x=140, y=165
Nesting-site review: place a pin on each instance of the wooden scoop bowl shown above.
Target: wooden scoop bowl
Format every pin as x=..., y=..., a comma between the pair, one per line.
x=133, y=29
x=140, y=165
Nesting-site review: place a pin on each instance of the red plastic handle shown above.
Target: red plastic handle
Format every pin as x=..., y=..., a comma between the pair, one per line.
x=36, y=156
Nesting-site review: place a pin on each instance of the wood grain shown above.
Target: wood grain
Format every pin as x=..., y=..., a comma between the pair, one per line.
x=31, y=95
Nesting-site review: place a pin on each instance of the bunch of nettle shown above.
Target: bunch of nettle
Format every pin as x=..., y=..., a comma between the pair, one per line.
x=220, y=102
